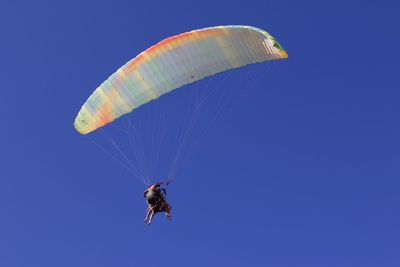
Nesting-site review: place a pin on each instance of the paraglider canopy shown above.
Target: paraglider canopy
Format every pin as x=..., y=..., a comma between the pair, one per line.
x=173, y=63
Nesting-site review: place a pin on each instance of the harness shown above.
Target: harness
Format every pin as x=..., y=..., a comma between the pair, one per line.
x=152, y=197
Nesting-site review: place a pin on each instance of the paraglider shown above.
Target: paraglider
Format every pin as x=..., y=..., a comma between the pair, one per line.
x=155, y=198
x=170, y=64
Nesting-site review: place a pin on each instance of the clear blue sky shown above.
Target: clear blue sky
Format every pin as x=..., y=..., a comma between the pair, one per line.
x=305, y=173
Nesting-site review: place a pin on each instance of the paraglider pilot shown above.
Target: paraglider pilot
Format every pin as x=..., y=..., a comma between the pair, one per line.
x=155, y=198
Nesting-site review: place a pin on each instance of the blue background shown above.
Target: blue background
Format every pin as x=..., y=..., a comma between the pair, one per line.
x=305, y=173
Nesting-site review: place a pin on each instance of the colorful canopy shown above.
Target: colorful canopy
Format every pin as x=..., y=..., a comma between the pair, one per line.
x=173, y=63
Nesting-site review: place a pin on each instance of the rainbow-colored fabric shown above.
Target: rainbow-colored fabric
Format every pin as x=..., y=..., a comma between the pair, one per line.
x=173, y=63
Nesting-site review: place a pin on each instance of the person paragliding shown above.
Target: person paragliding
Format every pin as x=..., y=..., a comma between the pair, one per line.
x=164, y=67
x=155, y=197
